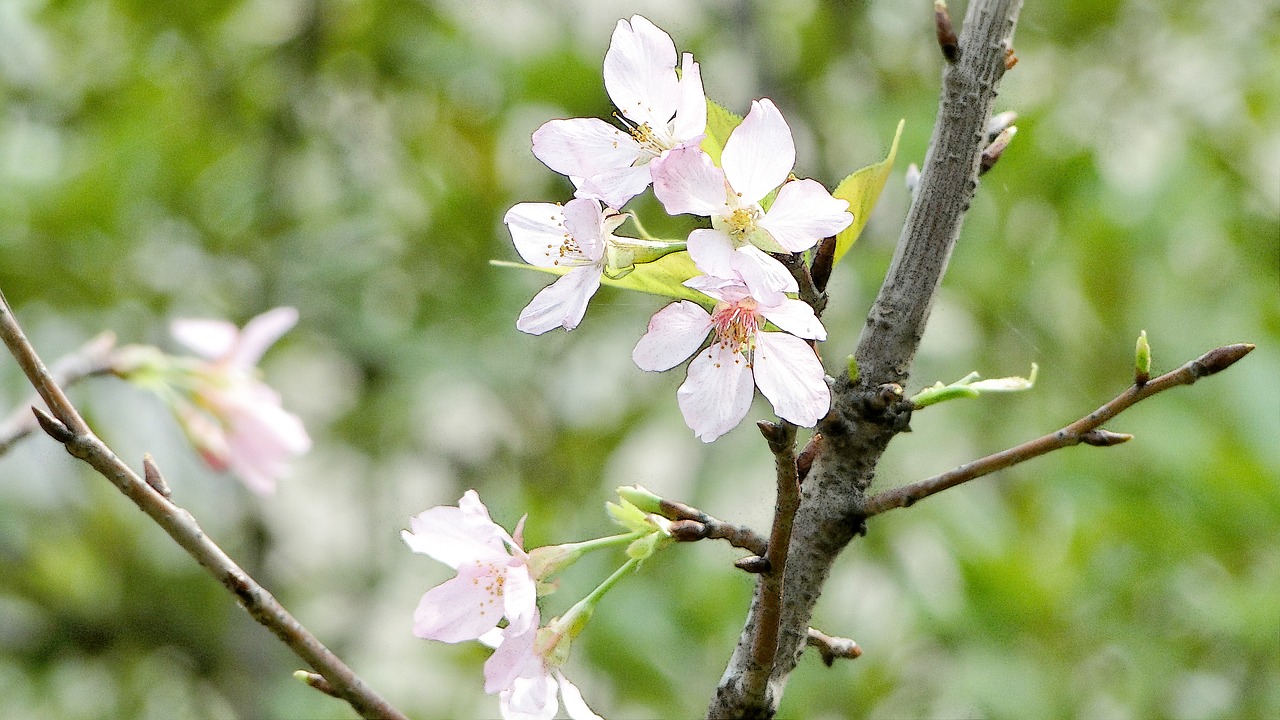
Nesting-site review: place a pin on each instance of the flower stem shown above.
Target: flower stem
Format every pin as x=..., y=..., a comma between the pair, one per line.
x=604, y=542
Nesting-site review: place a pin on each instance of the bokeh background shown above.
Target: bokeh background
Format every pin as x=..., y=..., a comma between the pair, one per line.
x=354, y=159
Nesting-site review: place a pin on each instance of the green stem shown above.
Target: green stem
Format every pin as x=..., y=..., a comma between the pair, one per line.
x=604, y=542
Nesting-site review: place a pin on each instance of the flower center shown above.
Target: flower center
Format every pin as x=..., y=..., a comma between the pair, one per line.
x=652, y=145
x=742, y=222
x=568, y=254
x=736, y=323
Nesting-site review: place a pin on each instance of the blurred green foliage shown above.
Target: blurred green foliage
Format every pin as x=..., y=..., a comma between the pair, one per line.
x=354, y=159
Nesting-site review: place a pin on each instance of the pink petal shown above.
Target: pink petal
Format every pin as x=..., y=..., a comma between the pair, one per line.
x=790, y=375
x=531, y=697
x=759, y=153
x=583, y=147
x=717, y=393
x=461, y=608
x=718, y=288
x=691, y=113
x=261, y=436
x=513, y=658
x=639, y=72
x=795, y=317
x=538, y=232
x=457, y=535
x=675, y=332
x=584, y=220
x=712, y=252
x=261, y=333
x=686, y=181
x=574, y=706
x=211, y=339
x=766, y=277
x=562, y=303
x=804, y=213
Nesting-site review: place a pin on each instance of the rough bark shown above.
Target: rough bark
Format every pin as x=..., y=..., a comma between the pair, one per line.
x=867, y=411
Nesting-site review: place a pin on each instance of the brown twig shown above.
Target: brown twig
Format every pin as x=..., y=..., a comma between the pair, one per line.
x=95, y=357
x=67, y=426
x=707, y=527
x=781, y=437
x=1086, y=430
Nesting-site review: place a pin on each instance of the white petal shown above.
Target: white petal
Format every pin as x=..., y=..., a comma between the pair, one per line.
x=574, y=706
x=261, y=333
x=538, y=231
x=759, y=153
x=616, y=186
x=459, y=609
x=583, y=147
x=212, y=339
x=640, y=72
x=717, y=393
x=519, y=597
x=584, y=220
x=795, y=317
x=514, y=657
x=686, y=181
x=765, y=276
x=712, y=252
x=804, y=213
x=675, y=332
x=562, y=303
x=719, y=289
x=456, y=535
x=790, y=375
x=691, y=114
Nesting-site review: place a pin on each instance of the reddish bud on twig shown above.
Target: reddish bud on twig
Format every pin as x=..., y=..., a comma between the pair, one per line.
x=1219, y=359
x=687, y=530
x=947, y=39
x=824, y=258
x=753, y=564
x=804, y=461
x=1010, y=59
x=999, y=122
x=53, y=426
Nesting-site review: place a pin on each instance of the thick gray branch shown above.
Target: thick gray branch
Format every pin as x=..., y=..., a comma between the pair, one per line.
x=869, y=410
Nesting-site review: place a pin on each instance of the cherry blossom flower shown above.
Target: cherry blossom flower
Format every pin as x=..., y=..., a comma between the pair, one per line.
x=575, y=236
x=234, y=419
x=493, y=579
x=524, y=671
x=757, y=159
x=662, y=111
x=718, y=389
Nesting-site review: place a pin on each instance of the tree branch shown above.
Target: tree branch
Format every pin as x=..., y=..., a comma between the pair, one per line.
x=67, y=426
x=868, y=410
x=1085, y=430
x=95, y=357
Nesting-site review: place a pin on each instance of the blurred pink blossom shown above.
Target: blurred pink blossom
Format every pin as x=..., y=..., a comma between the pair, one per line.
x=234, y=419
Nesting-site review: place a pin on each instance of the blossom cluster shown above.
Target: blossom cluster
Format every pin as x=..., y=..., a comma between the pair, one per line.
x=761, y=336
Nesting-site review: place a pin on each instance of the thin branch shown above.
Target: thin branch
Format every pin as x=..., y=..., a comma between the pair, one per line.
x=693, y=524
x=1086, y=430
x=782, y=443
x=95, y=357
x=67, y=425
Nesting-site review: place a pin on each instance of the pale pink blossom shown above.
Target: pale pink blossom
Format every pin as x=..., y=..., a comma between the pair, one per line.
x=662, y=111
x=718, y=389
x=234, y=419
x=493, y=579
x=575, y=235
x=525, y=673
x=757, y=159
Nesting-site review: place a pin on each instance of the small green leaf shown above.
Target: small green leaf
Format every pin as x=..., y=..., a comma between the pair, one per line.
x=720, y=123
x=862, y=190
x=664, y=276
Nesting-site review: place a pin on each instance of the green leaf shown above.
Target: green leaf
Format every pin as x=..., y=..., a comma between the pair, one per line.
x=862, y=190
x=720, y=123
x=664, y=276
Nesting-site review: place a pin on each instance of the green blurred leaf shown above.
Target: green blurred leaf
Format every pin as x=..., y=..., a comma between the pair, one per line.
x=664, y=276
x=862, y=190
x=720, y=123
